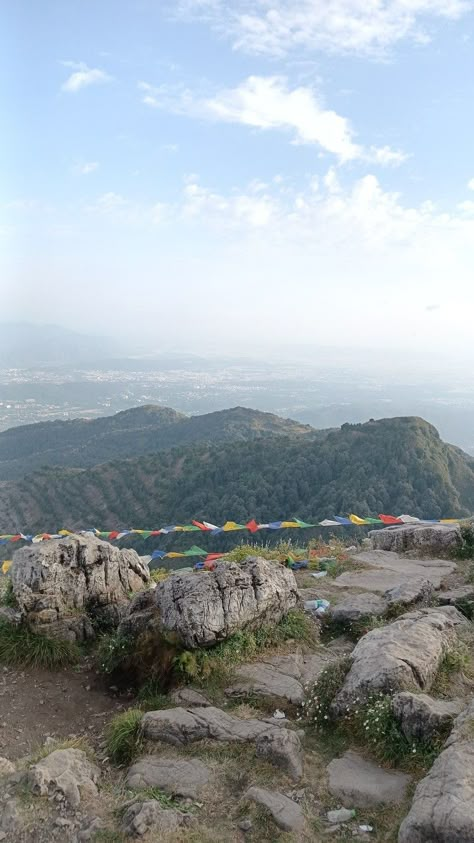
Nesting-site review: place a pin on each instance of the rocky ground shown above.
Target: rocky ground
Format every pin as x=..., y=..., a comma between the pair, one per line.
x=241, y=759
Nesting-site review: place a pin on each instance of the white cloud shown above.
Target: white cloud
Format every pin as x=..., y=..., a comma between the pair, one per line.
x=470, y=184
x=88, y=167
x=83, y=76
x=360, y=26
x=267, y=102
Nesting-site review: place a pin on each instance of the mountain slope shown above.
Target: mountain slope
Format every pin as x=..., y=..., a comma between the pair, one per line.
x=82, y=443
x=392, y=465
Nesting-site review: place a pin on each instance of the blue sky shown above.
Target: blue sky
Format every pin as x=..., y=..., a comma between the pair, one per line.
x=234, y=170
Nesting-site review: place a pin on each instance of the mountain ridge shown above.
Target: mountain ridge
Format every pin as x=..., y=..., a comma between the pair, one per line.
x=389, y=465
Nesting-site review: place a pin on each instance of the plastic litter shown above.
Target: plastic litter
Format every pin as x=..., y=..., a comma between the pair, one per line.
x=366, y=828
x=319, y=607
x=343, y=815
x=297, y=566
x=319, y=574
x=279, y=715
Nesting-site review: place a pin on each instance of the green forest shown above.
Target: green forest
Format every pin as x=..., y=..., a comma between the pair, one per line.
x=391, y=465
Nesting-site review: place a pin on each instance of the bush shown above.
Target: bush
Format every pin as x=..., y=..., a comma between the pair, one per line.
x=7, y=597
x=123, y=736
x=466, y=551
x=317, y=707
x=20, y=646
x=112, y=651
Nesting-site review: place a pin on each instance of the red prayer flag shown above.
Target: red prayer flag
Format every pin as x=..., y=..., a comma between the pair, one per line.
x=201, y=526
x=252, y=526
x=211, y=557
x=390, y=519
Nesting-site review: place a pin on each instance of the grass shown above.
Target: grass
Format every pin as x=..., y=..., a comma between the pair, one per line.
x=317, y=707
x=219, y=662
x=466, y=551
x=20, y=646
x=353, y=629
x=456, y=660
x=112, y=650
x=72, y=743
x=108, y=835
x=7, y=595
x=123, y=737
x=150, y=697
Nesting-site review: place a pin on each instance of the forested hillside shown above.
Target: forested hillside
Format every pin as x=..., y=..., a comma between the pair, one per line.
x=81, y=443
x=393, y=465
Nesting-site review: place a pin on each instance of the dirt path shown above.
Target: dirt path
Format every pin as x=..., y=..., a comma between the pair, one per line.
x=37, y=703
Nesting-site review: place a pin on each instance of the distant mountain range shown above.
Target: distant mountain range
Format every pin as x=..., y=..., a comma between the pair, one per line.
x=393, y=465
x=82, y=443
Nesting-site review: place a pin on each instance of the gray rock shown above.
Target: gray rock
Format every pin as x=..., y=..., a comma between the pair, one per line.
x=421, y=717
x=415, y=590
x=433, y=539
x=282, y=748
x=462, y=598
x=443, y=805
x=6, y=767
x=59, y=584
x=181, y=726
x=10, y=817
x=282, y=677
x=389, y=570
x=287, y=814
x=245, y=824
x=176, y=777
x=361, y=783
x=188, y=697
x=401, y=656
x=203, y=610
x=357, y=606
x=150, y=816
x=343, y=815
x=10, y=616
x=65, y=771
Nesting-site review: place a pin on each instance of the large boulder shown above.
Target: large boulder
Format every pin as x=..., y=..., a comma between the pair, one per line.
x=204, y=609
x=359, y=783
x=358, y=606
x=421, y=717
x=443, y=806
x=62, y=585
x=428, y=539
x=174, y=776
x=65, y=771
x=402, y=656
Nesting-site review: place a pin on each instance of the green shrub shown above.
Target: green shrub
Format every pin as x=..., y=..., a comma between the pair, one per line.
x=317, y=707
x=466, y=551
x=20, y=646
x=7, y=596
x=123, y=736
x=112, y=650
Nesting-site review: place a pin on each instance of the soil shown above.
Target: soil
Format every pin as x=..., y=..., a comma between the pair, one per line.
x=37, y=703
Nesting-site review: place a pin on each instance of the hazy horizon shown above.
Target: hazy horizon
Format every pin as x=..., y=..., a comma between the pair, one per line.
x=212, y=174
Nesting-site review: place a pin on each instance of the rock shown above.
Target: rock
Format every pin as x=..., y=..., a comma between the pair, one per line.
x=59, y=585
x=287, y=814
x=343, y=815
x=357, y=606
x=443, y=805
x=245, y=824
x=430, y=539
x=189, y=697
x=389, y=570
x=422, y=717
x=176, y=777
x=150, y=816
x=415, y=590
x=282, y=677
x=10, y=616
x=181, y=726
x=282, y=748
x=401, y=656
x=140, y=614
x=203, y=610
x=10, y=817
x=361, y=783
x=462, y=598
x=64, y=771
x=6, y=767
x=91, y=829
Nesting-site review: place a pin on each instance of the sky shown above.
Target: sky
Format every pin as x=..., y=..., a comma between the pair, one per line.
x=236, y=173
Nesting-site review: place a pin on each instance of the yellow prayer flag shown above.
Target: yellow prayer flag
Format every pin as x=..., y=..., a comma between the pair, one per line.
x=356, y=520
x=231, y=525
x=289, y=524
x=6, y=566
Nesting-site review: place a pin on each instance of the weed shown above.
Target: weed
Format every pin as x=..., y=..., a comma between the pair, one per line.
x=108, y=835
x=159, y=574
x=353, y=629
x=7, y=596
x=456, y=660
x=123, y=737
x=466, y=551
x=112, y=650
x=72, y=743
x=317, y=708
x=20, y=646
x=151, y=698
x=154, y=793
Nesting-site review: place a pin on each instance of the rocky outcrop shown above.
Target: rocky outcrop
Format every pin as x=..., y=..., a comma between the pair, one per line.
x=66, y=771
x=181, y=726
x=280, y=677
x=416, y=590
x=61, y=585
x=203, y=610
x=421, y=717
x=388, y=570
x=402, y=656
x=174, y=776
x=429, y=539
x=286, y=814
x=143, y=817
x=359, y=783
x=358, y=606
x=443, y=805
